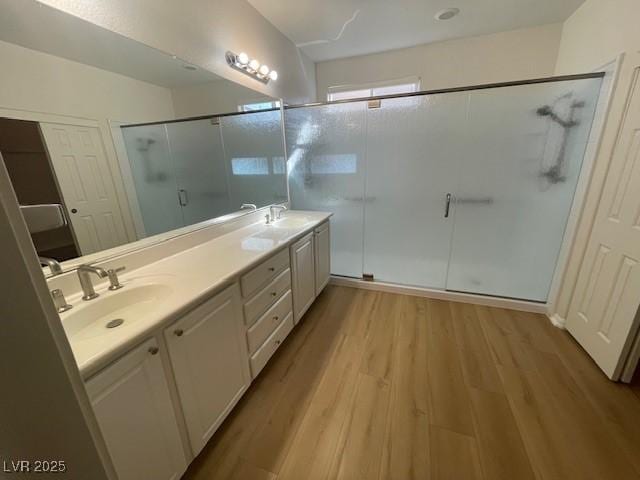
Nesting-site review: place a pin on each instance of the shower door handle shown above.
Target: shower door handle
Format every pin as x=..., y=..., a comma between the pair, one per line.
x=183, y=197
x=447, y=206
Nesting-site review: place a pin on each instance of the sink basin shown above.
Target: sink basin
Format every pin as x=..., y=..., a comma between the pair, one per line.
x=291, y=222
x=113, y=311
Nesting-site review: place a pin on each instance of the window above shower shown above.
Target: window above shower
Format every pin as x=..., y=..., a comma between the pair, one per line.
x=392, y=87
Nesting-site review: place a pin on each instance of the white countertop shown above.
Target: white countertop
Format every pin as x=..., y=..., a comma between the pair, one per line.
x=180, y=282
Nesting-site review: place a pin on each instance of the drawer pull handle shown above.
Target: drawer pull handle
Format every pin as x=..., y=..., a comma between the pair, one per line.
x=273, y=294
x=178, y=333
x=272, y=269
x=153, y=350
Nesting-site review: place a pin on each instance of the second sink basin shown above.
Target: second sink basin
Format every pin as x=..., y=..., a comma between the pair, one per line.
x=291, y=222
x=113, y=311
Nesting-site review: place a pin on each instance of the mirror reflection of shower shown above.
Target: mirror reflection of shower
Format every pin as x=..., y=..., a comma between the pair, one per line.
x=143, y=145
x=562, y=115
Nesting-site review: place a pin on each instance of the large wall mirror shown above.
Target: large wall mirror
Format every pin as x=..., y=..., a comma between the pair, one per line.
x=112, y=145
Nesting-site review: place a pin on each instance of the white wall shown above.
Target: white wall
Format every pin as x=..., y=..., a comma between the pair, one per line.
x=596, y=33
x=200, y=32
x=513, y=55
x=40, y=82
x=220, y=96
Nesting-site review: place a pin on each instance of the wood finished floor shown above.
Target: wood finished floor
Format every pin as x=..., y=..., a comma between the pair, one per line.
x=374, y=385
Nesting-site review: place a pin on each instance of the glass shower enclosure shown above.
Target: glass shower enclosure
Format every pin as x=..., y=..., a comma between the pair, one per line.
x=190, y=170
x=466, y=190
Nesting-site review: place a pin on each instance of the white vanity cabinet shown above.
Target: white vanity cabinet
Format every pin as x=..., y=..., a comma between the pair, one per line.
x=322, y=247
x=208, y=353
x=133, y=407
x=303, y=275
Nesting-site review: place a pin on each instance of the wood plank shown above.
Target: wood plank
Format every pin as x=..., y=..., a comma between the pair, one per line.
x=378, y=354
x=600, y=454
x=314, y=445
x=615, y=403
x=506, y=348
x=534, y=329
x=406, y=445
x=360, y=445
x=453, y=456
x=271, y=442
x=449, y=404
x=478, y=366
x=502, y=452
x=543, y=426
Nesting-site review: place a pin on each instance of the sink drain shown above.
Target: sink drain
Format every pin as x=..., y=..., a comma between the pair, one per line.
x=115, y=323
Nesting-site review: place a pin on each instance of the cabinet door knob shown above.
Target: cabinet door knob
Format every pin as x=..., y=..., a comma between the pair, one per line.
x=178, y=333
x=273, y=294
x=272, y=269
x=276, y=318
x=153, y=350
x=278, y=342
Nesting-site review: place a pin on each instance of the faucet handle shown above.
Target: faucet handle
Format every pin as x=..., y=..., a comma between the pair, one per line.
x=114, y=282
x=59, y=301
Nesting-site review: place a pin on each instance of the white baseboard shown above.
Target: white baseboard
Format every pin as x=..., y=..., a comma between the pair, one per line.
x=557, y=321
x=521, y=305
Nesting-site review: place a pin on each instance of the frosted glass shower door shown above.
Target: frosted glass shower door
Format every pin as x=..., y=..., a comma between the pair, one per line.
x=196, y=149
x=518, y=177
x=413, y=154
x=326, y=148
x=154, y=177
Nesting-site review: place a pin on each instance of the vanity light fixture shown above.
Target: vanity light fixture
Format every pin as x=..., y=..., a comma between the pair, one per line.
x=251, y=67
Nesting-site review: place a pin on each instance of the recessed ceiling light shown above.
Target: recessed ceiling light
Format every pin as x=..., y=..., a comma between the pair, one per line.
x=447, y=14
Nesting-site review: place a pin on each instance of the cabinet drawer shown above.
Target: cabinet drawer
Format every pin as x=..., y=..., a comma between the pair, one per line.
x=262, y=356
x=264, y=272
x=265, y=326
x=321, y=228
x=267, y=296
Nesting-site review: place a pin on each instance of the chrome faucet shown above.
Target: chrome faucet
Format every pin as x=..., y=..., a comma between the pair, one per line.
x=52, y=263
x=84, y=271
x=279, y=208
x=248, y=206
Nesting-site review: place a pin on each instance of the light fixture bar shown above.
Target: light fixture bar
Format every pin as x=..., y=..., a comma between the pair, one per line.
x=251, y=67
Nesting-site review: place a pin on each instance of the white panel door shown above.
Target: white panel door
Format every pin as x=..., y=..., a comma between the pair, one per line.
x=303, y=276
x=87, y=185
x=605, y=303
x=210, y=363
x=133, y=407
x=322, y=246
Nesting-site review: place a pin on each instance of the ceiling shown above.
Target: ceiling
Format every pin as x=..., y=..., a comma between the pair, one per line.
x=330, y=29
x=45, y=29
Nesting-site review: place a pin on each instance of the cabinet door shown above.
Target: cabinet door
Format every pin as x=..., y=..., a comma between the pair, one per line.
x=322, y=256
x=133, y=407
x=210, y=363
x=303, y=276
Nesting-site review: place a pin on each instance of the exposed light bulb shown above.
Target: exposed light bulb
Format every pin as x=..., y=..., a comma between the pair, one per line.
x=254, y=64
x=264, y=70
x=273, y=75
x=243, y=58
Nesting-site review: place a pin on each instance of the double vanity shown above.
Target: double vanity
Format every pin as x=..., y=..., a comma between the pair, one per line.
x=167, y=356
